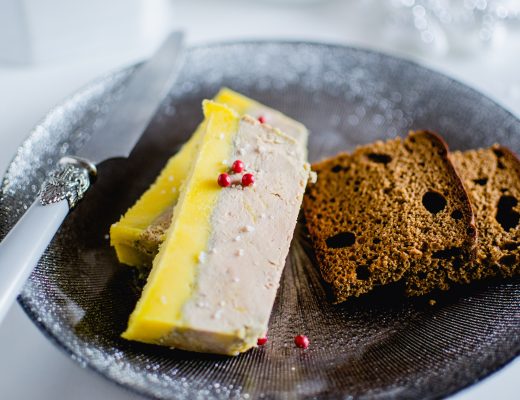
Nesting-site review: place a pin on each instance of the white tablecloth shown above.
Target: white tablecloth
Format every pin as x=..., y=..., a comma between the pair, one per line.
x=30, y=366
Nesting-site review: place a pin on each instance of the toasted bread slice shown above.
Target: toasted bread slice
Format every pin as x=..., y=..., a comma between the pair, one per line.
x=492, y=179
x=390, y=211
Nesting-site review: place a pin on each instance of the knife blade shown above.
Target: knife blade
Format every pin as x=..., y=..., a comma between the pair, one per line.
x=127, y=120
x=116, y=136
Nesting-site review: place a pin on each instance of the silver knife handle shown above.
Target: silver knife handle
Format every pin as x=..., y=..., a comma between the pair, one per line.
x=27, y=240
x=68, y=182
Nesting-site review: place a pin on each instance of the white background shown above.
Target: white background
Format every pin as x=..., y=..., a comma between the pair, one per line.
x=70, y=47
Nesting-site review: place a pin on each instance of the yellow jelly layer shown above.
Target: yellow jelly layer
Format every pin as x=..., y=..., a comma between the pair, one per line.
x=127, y=234
x=158, y=313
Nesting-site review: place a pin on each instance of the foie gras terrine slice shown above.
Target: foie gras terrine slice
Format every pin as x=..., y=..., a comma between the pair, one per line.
x=214, y=279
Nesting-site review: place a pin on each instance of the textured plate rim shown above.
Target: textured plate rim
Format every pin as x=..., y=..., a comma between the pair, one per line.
x=85, y=363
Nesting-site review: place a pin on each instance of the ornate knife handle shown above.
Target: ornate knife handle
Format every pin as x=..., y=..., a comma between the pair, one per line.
x=27, y=240
x=69, y=181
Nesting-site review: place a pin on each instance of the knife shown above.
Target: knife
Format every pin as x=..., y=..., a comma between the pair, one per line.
x=65, y=186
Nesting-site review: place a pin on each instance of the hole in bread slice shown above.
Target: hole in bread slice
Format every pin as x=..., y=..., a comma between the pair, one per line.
x=508, y=260
x=433, y=201
x=481, y=181
x=456, y=215
x=506, y=216
x=379, y=158
x=343, y=239
x=362, y=272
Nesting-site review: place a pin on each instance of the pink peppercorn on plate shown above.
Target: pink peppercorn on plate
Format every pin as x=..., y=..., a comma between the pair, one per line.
x=379, y=346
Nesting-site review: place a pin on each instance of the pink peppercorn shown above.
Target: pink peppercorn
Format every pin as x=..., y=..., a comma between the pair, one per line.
x=301, y=341
x=248, y=179
x=224, y=180
x=237, y=167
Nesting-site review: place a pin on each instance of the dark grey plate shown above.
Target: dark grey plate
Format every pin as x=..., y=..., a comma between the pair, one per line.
x=380, y=346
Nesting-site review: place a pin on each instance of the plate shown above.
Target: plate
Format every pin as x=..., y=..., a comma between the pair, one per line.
x=378, y=346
